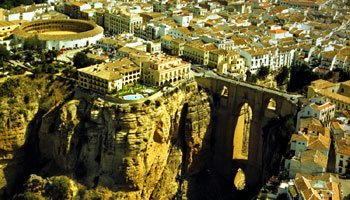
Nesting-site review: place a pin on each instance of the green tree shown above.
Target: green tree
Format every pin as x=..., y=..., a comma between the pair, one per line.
x=58, y=189
x=33, y=43
x=282, y=75
x=4, y=53
x=300, y=77
x=252, y=78
x=50, y=55
x=81, y=60
x=29, y=56
x=342, y=75
x=263, y=72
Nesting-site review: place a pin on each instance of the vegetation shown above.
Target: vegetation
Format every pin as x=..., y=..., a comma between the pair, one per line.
x=263, y=72
x=282, y=76
x=33, y=43
x=136, y=88
x=300, y=77
x=7, y=88
x=276, y=134
x=252, y=78
x=58, y=189
x=4, y=53
x=8, y=4
x=342, y=75
x=81, y=60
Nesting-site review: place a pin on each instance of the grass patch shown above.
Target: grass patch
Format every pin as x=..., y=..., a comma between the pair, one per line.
x=136, y=88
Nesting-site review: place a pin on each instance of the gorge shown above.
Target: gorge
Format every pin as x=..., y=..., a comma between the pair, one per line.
x=178, y=145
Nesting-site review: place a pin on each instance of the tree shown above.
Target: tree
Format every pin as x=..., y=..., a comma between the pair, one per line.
x=263, y=72
x=300, y=77
x=282, y=75
x=29, y=57
x=50, y=55
x=81, y=60
x=58, y=188
x=33, y=43
x=4, y=53
x=252, y=78
x=342, y=75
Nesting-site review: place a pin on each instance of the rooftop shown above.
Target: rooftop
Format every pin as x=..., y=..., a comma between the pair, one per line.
x=112, y=70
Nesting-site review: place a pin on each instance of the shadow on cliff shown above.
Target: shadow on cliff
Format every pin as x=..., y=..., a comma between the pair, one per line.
x=25, y=161
x=202, y=182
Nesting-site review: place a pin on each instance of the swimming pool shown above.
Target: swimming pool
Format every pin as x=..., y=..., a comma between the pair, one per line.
x=133, y=97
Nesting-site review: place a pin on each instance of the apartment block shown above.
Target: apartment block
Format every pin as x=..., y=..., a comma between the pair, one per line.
x=107, y=77
x=162, y=69
x=122, y=22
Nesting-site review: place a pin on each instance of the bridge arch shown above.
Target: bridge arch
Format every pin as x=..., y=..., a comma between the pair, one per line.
x=241, y=133
x=224, y=91
x=271, y=104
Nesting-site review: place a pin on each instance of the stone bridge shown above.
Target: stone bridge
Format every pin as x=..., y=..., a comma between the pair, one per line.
x=265, y=104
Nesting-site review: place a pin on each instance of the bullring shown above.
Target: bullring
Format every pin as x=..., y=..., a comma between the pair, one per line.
x=61, y=33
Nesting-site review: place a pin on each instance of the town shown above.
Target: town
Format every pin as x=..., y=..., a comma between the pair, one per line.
x=127, y=51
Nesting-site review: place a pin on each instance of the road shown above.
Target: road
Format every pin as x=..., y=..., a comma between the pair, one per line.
x=67, y=56
x=210, y=74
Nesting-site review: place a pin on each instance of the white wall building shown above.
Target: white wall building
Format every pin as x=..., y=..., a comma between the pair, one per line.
x=255, y=58
x=318, y=109
x=183, y=19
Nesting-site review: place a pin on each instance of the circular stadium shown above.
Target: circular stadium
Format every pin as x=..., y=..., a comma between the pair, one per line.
x=61, y=33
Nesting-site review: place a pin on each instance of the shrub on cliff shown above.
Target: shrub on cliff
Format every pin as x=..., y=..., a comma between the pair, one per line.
x=7, y=88
x=263, y=72
x=58, y=189
x=32, y=196
x=282, y=75
x=4, y=53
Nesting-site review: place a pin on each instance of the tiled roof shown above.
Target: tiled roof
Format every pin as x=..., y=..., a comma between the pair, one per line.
x=110, y=71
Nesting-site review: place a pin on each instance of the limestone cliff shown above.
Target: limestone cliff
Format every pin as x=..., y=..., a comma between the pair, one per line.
x=22, y=100
x=138, y=151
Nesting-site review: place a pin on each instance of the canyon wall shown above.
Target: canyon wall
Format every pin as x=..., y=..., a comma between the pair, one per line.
x=22, y=101
x=139, y=151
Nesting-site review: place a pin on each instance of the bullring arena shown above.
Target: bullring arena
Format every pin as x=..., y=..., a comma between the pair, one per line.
x=61, y=33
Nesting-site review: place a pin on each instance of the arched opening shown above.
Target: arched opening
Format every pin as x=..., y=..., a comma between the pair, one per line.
x=239, y=180
x=272, y=104
x=224, y=92
x=242, y=133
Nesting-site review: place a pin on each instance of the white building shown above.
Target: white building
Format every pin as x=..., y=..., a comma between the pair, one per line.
x=342, y=152
x=183, y=19
x=181, y=33
x=107, y=77
x=319, y=109
x=255, y=58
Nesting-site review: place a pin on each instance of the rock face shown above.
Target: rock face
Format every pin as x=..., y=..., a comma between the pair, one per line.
x=22, y=99
x=139, y=151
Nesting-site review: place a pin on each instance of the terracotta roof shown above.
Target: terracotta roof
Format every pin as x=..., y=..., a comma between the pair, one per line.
x=112, y=70
x=320, y=142
x=299, y=137
x=310, y=187
x=321, y=107
x=184, y=30
x=314, y=156
x=278, y=31
x=77, y=3
x=343, y=146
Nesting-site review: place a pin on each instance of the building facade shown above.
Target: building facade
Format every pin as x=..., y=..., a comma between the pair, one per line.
x=108, y=77
x=162, y=69
x=122, y=22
